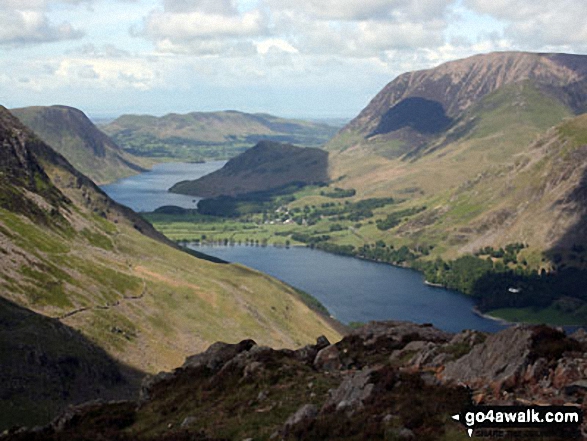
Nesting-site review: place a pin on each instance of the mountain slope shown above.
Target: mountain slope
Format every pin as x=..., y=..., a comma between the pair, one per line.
x=444, y=92
x=70, y=253
x=463, y=170
x=267, y=166
x=73, y=135
x=210, y=135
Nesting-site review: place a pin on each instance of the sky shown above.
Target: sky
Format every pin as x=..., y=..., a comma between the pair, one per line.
x=293, y=58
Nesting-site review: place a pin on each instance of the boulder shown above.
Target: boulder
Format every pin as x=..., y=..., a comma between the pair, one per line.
x=352, y=392
x=499, y=361
x=328, y=359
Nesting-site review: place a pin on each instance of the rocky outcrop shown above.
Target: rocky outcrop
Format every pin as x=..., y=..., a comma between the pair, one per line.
x=386, y=380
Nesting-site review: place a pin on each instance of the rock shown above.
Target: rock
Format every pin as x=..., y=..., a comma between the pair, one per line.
x=400, y=331
x=252, y=368
x=401, y=433
x=569, y=370
x=352, y=392
x=500, y=360
x=580, y=335
x=328, y=359
x=576, y=388
x=322, y=342
x=188, y=421
x=306, y=412
x=308, y=353
x=218, y=354
x=214, y=358
x=149, y=382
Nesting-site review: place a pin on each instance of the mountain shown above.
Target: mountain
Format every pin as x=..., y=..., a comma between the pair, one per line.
x=77, y=267
x=210, y=135
x=418, y=105
x=461, y=139
x=71, y=133
x=386, y=380
x=266, y=166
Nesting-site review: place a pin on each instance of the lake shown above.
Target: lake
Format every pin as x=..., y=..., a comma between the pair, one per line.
x=353, y=290
x=356, y=290
x=148, y=191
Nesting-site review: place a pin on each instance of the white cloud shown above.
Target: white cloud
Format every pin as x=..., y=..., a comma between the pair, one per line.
x=539, y=24
x=203, y=27
x=357, y=10
x=26, y=22
x=193, y=25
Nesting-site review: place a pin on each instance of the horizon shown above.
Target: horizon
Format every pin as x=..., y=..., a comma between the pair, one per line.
x=285, y=58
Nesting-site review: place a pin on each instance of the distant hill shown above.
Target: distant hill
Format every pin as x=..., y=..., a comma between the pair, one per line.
x=71, y=133
x=268, y=165
x=92, y=297
x=210, y=135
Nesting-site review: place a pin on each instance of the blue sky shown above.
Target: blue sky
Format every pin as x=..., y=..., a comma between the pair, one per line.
x=302, y=58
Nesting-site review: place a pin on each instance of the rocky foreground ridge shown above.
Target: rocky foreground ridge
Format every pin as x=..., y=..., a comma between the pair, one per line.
x=386, y=380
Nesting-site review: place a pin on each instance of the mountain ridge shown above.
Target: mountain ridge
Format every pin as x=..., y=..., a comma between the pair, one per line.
x=210, y=135
x=457, y=84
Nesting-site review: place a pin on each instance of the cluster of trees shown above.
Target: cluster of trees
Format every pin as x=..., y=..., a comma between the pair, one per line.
x=509, y=253
x=251, y=203
x=395, y=218
x=498, y=286
x=339, y=193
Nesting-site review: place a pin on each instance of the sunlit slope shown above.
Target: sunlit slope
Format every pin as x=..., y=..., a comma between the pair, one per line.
x=210, y=135
x=73, y=254
x=486, y=179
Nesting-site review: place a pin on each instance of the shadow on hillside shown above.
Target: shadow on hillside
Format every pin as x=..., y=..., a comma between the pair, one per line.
x=425, y=116
x=46, y=366
x=573, y=241
x=566, y=290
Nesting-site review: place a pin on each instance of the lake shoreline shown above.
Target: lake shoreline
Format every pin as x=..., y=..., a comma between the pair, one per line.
x=386, y=291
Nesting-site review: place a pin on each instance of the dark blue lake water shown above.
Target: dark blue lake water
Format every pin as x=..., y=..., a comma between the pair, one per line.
x=358, y=290
x=148, y=191
x=351, y=289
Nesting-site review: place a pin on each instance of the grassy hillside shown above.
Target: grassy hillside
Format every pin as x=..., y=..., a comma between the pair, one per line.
x=267, y=166
x=70, y=253
x=212, y=135
x=73, y=135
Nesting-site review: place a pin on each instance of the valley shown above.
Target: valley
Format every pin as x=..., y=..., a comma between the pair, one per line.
x=96, y=270
x=472, y=173
x=481, y=198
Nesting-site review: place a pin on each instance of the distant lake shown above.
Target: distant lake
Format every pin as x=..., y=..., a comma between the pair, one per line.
x=148, y=191
x=358, y=290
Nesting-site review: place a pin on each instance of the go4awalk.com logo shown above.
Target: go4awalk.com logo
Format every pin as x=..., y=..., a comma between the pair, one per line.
x=499, y=421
